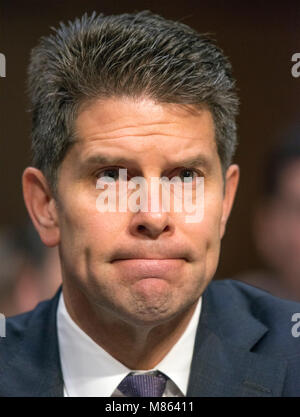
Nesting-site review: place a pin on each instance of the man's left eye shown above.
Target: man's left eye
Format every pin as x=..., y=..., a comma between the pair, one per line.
x=187, y=174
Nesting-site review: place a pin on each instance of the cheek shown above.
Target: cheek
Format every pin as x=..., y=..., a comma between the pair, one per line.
x=206, y=233
x=205, y=237
x=206, y=241
x=87, y=241
x=81, y=221
x=95, y=232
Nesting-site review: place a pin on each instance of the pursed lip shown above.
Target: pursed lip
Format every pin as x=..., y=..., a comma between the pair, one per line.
x=163, y=255
x=147, y=258
x=139, y=268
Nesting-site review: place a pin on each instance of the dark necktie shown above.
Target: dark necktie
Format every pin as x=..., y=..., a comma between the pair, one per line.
x=143, y=385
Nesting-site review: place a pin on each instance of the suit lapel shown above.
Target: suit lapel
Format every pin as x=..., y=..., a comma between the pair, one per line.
x=223, y=364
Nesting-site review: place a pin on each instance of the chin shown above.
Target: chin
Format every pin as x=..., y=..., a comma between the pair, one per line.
x=148, y=318
x=155, y=312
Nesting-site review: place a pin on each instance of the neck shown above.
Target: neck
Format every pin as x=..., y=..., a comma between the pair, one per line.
x=135, y=346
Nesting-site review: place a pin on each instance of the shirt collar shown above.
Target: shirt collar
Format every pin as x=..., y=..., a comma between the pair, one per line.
x=89, y=371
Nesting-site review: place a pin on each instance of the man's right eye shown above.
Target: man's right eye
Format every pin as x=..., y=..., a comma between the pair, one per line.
x=109, y=172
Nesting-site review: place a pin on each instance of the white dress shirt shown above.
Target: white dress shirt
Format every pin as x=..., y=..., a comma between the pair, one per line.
x=89, y=371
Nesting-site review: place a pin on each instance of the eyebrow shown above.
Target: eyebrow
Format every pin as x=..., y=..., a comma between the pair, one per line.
x=199, y=160
x=101, y=159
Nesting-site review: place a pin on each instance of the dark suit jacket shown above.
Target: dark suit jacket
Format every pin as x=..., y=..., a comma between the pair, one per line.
x=244, y=347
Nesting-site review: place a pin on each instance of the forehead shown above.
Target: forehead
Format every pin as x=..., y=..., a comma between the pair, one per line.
x=142, y=127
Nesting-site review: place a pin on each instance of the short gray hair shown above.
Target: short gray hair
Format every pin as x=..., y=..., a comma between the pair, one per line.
x=140, y=54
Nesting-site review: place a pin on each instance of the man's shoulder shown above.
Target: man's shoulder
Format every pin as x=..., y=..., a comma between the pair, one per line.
x=29, y=350
x=237, y=308
x=34, y=320
x=17, y=325
x=248, y=297
x=245, y=341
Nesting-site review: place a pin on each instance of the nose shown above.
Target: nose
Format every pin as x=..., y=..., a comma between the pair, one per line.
x=151, y=225
x=153, y=220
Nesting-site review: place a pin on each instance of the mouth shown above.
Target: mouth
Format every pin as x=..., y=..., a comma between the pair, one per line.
x=147, y=258
x=148, y=255
x=160, y=268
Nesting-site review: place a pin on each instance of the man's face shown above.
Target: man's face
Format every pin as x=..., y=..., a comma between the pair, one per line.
x=277, y=224
x=142, y=267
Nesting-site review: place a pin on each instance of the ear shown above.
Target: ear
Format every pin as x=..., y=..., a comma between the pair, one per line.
x=41, y=205
x=231, y=184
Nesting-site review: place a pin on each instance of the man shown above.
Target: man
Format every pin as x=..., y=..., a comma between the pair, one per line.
x=136, y=315
x=276, y=224
x=30, y=272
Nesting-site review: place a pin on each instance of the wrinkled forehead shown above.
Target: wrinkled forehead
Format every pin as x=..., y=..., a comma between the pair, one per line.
x=126, y=125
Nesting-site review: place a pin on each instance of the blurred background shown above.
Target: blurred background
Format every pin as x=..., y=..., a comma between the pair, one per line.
x=262, y=241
